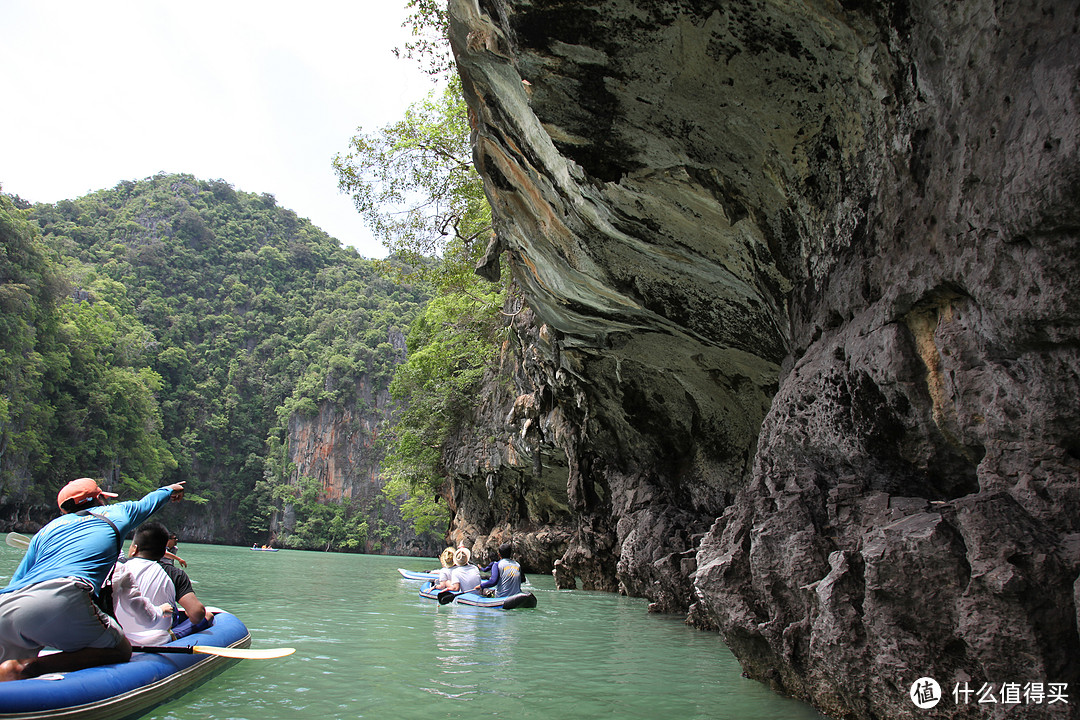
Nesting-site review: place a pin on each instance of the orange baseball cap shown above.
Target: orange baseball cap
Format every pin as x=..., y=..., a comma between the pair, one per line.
x=80, y=491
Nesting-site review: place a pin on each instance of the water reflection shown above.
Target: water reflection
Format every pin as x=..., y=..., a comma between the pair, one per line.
x=456, y=642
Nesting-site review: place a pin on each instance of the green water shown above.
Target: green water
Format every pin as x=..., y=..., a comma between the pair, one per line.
x=367, y=646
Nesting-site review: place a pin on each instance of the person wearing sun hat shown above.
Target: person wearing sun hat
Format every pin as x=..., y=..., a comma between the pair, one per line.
x=446, y=558
x=465, y=576
x=49, y=601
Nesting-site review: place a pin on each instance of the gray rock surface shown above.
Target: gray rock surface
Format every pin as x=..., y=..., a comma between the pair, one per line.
x=806, y=335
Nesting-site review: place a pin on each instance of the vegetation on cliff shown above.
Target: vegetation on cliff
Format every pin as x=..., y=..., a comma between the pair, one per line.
x=169, y=329
x=175, y=328
x=415, y=184
x=77, y=390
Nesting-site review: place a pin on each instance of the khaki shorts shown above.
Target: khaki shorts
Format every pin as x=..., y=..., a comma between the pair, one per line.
x=57, y=614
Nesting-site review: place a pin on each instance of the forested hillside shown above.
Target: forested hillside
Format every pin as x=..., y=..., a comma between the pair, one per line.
x=176, y=329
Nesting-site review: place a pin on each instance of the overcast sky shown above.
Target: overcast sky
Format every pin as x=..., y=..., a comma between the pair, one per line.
x=259, y=93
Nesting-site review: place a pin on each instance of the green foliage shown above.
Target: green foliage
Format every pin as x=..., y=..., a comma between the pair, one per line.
x=218, y=310
x=321, y=524
x=30, y=288
x=422, y=510
x=106, y=411
x=451, y=346
x=77, y=393
x=415, y=185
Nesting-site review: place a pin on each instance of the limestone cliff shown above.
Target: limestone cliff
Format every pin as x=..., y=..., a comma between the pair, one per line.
x=339, y=447
x=806, y=348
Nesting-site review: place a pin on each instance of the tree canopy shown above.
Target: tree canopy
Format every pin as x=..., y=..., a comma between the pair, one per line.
x=79, y=395
x=415, y=184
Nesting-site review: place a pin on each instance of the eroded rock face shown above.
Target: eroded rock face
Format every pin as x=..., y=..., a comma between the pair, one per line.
x=338, y=447
x=808, y=272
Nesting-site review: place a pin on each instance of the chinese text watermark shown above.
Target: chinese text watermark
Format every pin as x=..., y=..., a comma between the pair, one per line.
x=926, y=693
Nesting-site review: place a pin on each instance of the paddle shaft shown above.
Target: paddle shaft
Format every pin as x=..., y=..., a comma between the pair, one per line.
x=187, y=650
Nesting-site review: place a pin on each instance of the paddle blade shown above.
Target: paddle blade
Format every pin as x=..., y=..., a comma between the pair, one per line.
x=243, y=653
x=446, y=597
x=229, y=652
x=16, y=540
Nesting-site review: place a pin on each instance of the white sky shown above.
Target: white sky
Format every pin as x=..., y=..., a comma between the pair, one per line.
x=259, y=93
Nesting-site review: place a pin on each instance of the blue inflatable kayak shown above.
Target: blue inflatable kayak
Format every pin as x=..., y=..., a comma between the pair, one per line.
x=416, y=574
x=109, y=692
x=520, y=600
x=511, y=602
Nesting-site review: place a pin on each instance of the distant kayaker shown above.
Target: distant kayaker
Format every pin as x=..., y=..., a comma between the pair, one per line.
x=49, y=601
x=171, y=556
x=465, y=576
x=506, y=576
x=164, y=586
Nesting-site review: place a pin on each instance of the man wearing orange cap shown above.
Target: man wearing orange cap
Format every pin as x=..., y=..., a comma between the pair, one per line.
x=49, y=602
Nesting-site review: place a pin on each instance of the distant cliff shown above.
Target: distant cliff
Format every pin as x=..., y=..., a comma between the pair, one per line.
x=801, y=351
x=339, y=447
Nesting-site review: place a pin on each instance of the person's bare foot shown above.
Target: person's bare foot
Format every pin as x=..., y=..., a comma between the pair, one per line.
x=12, y=669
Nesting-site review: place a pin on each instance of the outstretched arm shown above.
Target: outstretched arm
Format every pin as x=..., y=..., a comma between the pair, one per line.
x=494, y=579
x=175, y=557
x=129, y=515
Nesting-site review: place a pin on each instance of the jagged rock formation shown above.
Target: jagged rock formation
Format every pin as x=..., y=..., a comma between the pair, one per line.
x=805, y=278
x=509, y=468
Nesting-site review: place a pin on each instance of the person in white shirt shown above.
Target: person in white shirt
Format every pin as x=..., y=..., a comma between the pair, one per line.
x=144, y=621
x=465, y=576
x=166, y=587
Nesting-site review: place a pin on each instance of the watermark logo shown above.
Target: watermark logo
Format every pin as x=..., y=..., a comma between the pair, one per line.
x=925, y=693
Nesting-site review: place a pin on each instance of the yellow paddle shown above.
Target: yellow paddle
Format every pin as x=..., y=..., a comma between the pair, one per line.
x=229, y=652
x=17, y=540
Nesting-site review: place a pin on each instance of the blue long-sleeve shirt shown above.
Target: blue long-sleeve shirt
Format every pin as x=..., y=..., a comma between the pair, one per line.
x=83, y=546
x=493, y=568
x=510, y=575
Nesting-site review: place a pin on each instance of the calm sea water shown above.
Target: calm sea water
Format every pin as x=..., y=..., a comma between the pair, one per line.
x=367, y=646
